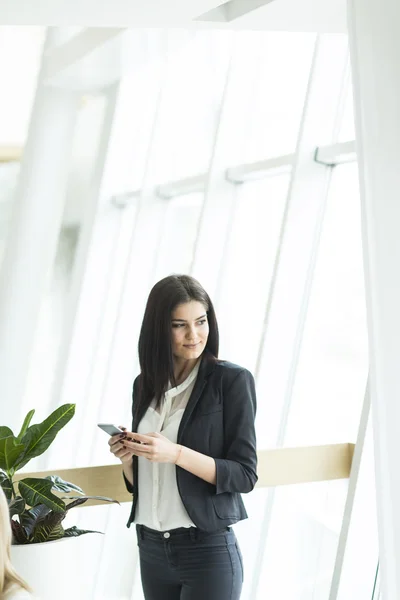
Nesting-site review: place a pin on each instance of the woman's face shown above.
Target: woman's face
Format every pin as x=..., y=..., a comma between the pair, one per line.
x=189, y=330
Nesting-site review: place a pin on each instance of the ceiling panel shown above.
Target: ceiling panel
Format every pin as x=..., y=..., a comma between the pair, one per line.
x=287, y=15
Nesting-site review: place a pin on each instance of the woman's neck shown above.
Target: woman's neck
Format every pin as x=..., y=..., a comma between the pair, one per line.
x=183, y=368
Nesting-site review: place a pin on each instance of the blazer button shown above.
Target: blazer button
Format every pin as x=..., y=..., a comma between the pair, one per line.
x=167, y=534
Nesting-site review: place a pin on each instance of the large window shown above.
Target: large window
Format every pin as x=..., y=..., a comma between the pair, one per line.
x=215, y=101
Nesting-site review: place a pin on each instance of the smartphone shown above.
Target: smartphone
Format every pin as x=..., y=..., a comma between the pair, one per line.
x=110, y=428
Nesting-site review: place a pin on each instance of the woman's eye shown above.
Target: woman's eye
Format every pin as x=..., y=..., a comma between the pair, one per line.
x=177, y=325
x=202, y=322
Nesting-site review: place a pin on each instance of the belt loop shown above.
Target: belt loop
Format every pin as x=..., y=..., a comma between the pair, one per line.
x=141, y=532
x=193, y=534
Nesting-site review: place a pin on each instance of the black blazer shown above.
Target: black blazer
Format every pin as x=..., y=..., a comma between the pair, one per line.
x=218, y=421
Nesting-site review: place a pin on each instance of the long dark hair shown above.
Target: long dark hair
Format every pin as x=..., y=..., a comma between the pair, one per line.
x=155, y=340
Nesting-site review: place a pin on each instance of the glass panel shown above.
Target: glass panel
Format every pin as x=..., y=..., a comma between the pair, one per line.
x=249, y=259
x=190, y=100
x=176, y=246
x=302, y=541
x=347, y=128
x=333, y=363
x=298, y=554
x=273, y=119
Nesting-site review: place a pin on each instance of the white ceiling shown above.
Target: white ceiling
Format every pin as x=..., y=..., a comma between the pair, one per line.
x=288, y=15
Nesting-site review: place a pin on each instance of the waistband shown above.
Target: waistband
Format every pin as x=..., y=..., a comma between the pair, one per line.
x=192, y=533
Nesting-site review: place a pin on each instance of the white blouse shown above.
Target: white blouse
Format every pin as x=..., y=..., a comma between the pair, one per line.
x=159, y=504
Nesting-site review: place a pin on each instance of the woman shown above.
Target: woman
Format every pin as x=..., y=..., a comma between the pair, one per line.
x=12, y=587
x=191, y=451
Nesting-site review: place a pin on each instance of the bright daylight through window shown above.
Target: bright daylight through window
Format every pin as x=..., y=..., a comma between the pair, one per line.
x=279, y=252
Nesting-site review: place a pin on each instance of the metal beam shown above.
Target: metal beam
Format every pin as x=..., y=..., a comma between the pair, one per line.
x=231, y=10
x=260, y=169
x=189, y=185
x=76, y=49
x=336, y=154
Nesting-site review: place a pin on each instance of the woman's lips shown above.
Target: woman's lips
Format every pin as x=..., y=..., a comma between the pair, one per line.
x=191, y=346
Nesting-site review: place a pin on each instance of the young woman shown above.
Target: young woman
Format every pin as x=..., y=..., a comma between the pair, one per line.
x=191, y=451
x=12, y=587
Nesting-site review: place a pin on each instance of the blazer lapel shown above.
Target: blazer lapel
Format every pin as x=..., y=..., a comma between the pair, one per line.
x=206, y=368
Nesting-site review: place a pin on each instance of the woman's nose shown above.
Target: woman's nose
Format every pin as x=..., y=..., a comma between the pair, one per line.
x=191, y=334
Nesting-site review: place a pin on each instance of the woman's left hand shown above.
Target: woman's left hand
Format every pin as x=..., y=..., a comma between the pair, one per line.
x=155, y=447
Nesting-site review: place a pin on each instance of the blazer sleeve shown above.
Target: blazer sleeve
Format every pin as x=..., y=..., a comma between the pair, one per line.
x=237, y=472
x=128, y=485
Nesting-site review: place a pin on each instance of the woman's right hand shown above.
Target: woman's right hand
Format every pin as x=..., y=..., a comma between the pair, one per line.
x=117, y=447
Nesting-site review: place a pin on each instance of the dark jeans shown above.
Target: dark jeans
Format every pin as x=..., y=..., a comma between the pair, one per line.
x=188, y=564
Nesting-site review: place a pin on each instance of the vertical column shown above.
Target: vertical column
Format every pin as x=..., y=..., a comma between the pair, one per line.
x=115, y=245
x=374, y=29
x=33, y=235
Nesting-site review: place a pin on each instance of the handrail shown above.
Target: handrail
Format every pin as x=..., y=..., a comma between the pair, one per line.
x=10, y=153
x=279, y=466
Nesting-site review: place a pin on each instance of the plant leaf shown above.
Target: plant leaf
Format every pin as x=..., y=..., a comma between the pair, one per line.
x=16, y=506
x=38, y=491
x=63, y=486
x=26, y=423
x=75, y=532
x=6, y=484
x=39, y=437
x=10, y=453
x=30, y=517
x=5, y=432
x=19, y=535
x=78, y=500
x=49, y=528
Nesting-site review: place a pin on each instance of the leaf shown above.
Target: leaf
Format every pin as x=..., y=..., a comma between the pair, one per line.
x=16, y=506
x=38, y=491
x=6, y=484
x=78, y=500
x=39, y=437
x=19, y=535
x=26, y=424
x=49, y=528
x=63, y=486
x=29, y=518
x=10, y=453
x=75, y=532
x=5, y=432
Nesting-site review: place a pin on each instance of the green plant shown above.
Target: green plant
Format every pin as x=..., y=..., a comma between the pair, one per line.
x=36, y=512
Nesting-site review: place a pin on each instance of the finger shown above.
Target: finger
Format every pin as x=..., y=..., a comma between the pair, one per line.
x=124, y=457
x=145, y=439
x=114, y=441
x=135, y=447
x=120, y=449
x=115, y=438
x=117, y=446
x=126, y=432
x=123, y=453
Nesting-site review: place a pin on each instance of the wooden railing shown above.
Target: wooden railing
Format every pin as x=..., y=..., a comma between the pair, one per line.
x=10, y=153
x=281, y=466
